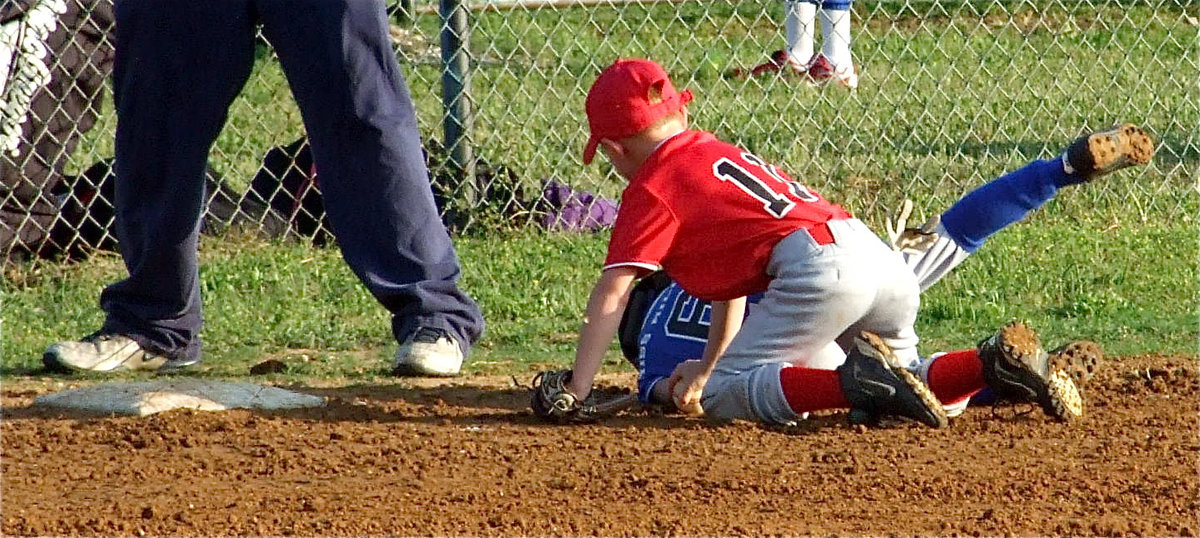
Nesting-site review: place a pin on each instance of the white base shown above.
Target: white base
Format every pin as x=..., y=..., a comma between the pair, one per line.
x=148, y=397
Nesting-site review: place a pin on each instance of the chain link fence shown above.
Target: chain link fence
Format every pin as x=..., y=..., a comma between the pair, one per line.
x=950, y=94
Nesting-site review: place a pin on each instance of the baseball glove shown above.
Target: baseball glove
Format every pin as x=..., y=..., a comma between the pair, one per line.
x=553, y=402
x=910, y=240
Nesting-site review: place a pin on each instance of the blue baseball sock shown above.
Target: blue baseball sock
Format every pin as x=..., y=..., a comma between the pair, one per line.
x=1003, y=201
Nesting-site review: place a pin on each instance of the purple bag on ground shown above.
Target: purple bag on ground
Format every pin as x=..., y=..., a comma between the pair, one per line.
x=569, y=210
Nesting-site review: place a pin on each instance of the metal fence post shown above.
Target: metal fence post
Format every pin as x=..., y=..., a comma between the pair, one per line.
x=403, y=14
x=456, y=101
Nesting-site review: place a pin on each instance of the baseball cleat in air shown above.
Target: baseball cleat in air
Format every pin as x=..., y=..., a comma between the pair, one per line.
x=1107, y=151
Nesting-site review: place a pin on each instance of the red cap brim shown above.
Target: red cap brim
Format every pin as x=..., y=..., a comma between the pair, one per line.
x=589, y=151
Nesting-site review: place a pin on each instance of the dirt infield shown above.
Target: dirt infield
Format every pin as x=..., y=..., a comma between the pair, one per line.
x=465, y=457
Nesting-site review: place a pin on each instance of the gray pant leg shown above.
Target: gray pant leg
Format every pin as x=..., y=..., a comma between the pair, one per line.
x=818, y=294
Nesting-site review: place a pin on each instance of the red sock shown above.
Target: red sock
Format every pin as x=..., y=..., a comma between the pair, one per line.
x=808, y=389
x=956, y=376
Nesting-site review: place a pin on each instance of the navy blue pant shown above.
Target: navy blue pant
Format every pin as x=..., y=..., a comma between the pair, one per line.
x=179, y=65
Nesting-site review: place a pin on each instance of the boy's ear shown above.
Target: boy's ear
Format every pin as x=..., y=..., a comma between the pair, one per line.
x=613, y=146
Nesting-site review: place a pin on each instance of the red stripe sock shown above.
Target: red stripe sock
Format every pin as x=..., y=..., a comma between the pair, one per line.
x=956, y=376
x=808, y=389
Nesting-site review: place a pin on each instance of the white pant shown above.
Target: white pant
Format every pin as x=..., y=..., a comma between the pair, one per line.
x=819, y=298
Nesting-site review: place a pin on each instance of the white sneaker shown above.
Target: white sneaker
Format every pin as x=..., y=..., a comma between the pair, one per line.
x=428, y=352
x=107, y=353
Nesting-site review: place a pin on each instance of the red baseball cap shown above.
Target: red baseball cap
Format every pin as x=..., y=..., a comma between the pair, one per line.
x=629, y=96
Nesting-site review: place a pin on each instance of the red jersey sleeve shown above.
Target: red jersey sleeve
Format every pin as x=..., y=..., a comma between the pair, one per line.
x=643, y=233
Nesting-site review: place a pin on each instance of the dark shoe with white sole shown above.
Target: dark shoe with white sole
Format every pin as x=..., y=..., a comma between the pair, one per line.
x=877, y=386
x=1017, y=369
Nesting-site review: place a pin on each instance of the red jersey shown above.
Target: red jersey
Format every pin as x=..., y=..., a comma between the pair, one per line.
x=710, y=213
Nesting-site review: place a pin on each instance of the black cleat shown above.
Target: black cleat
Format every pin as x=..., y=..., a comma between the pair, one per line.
x=877, y=386
x=1018, y=370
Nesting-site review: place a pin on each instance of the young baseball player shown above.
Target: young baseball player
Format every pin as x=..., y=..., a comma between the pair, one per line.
x=665, y=326
x=724, y=223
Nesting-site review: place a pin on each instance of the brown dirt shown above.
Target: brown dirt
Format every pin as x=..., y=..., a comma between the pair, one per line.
x=465, y=457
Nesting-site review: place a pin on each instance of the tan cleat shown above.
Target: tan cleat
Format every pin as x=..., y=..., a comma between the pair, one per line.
x=1079, y=359
x=1107, y=151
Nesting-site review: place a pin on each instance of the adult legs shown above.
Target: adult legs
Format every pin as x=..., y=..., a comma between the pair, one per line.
x=179, y=64
x=367, y=148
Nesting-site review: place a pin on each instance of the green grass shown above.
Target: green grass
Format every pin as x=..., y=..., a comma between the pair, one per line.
x=945, y=103
x=1132, y=288
x=952, y=94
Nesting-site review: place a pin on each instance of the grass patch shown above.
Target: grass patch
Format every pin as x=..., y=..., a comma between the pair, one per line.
x=302, y=305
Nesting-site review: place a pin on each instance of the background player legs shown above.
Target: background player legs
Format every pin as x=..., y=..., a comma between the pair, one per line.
x=835, y=33
x=799, y=24
x=799, y=57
